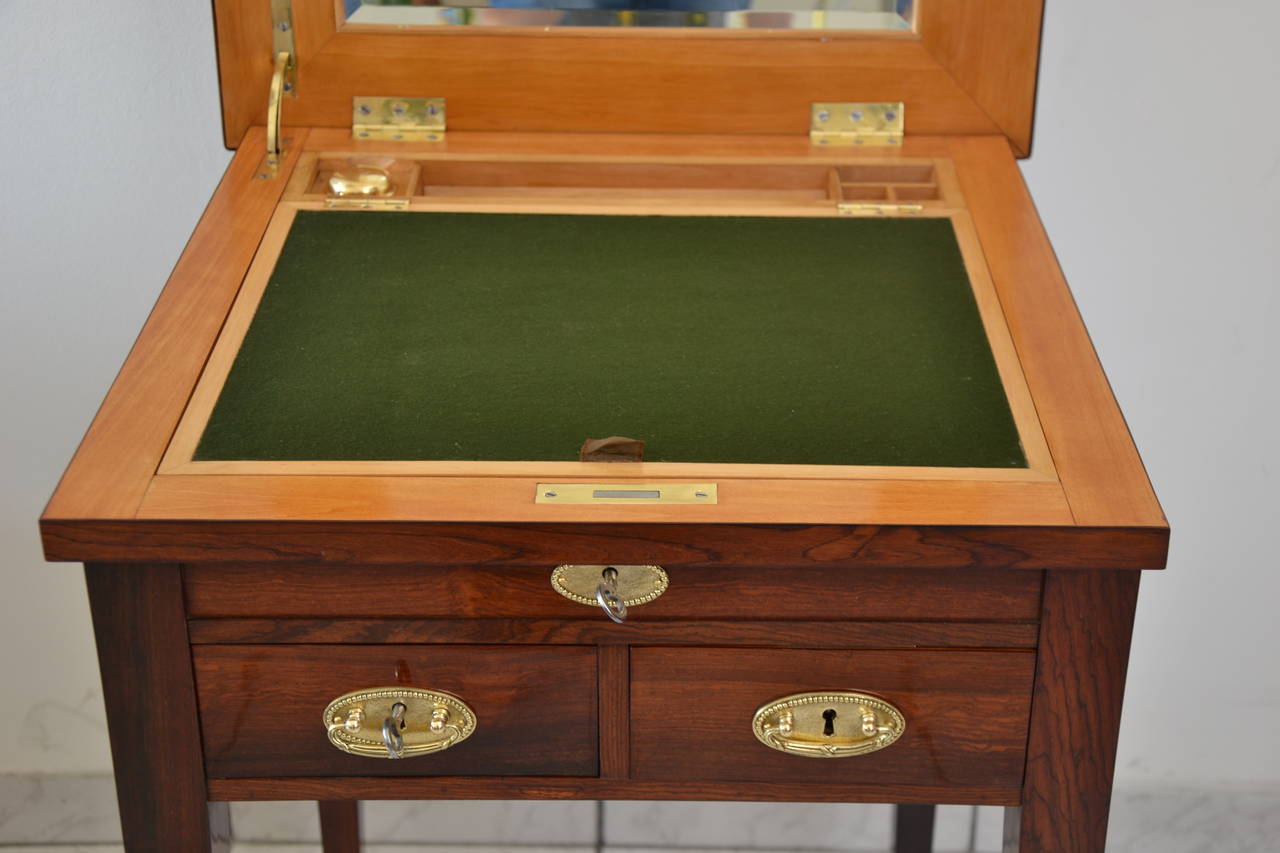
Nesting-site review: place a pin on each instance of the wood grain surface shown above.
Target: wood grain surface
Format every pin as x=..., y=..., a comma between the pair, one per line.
x=1101, y=472
x=552, y=788
x=955, y=77
x=770, y=545
x=1075, y=713
x=261, y=707
x=340, y=826
x=516, y=592
x=615, y=712
x=596, y=629
x=1103, y=484
x=229, y=497
x=966, y=712
x=992, y=49
x=145, y=662
x=118, y=457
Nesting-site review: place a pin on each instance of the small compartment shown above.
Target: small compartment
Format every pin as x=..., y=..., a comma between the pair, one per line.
x=965, y=713
x=864, y=192
x=346, y=176
x=909, y=192
x=909, y=183
x=428, y=179
x=888, y=173
x=261, y=708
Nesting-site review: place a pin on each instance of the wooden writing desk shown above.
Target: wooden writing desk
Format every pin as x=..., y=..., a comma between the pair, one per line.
x=989, y=605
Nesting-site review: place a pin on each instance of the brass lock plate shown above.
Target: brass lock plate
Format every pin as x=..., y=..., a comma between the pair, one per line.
x=635, y=585
x=367, y=722
x=616, y=494
x=828, y=724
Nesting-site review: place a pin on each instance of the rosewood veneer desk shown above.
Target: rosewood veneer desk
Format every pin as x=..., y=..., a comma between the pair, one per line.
x=885, y=538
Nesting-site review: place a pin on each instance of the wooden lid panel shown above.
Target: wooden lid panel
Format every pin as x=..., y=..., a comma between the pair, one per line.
x=969, y=70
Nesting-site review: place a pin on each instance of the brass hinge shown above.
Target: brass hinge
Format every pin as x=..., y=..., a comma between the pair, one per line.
x=856, y=124
x=863, y=208
x=403, y=119
x=284, y=81
x=363, y=203
x=282, y=42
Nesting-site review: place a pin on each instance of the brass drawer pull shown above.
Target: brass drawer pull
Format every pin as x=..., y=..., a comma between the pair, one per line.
x=397, y=722
x=828, y=724
x=611, y=588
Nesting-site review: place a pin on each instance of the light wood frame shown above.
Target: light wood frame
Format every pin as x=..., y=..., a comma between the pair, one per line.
x=113, y=484
x=969, y=68
x=670, y=201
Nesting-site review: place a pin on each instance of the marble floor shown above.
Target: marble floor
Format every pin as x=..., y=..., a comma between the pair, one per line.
x=56, y=814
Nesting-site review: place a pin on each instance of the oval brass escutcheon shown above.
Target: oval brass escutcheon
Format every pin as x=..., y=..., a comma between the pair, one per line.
x=635, y=585
x=828, y=724
x=397, y=722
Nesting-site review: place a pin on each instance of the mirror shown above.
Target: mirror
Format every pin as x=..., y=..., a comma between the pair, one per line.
x=716, y=14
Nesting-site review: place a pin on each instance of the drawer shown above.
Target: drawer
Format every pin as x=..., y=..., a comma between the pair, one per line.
x=261, y=708
x=523, y=592
x=966, y=714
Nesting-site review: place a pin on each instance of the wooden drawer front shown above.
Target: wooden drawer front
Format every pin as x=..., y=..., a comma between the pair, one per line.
x=250, y=590
x=966, y=714
x=261, y=708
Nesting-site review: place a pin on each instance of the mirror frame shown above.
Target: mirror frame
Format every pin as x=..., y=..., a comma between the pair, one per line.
x=969, y=68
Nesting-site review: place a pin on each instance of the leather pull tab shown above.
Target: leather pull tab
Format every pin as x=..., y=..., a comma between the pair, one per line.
x=615, y=448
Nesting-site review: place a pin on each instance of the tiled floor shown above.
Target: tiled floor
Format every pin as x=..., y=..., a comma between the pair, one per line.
x=77, y=815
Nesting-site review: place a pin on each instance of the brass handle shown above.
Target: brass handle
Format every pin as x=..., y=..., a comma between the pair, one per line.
x=830, y=724
x=413, y=722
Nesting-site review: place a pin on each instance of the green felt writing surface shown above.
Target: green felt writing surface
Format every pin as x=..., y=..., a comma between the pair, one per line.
x=459, y=336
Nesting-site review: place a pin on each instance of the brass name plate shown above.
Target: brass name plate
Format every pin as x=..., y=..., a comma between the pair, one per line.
x=626, y=493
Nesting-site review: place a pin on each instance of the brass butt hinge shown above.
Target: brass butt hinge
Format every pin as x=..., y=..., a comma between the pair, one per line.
x=399, y=119
x=284, y=81
x=848, y=208
x=856, y=124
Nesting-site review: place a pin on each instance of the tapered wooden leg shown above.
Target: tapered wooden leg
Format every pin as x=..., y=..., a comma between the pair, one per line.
x=913, y=828
x=1086, y=621
x=141, y=629
x=340, y=826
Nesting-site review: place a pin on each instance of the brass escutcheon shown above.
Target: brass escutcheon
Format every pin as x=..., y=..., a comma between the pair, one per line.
x=632, y=585
x=397, y=722
x=828, y=724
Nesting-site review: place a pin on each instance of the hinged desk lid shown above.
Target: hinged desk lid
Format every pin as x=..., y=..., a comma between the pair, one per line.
x=967, y=67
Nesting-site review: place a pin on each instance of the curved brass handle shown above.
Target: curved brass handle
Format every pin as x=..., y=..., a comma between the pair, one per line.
x=397, y=722
x=275, y=146
x=830, y=724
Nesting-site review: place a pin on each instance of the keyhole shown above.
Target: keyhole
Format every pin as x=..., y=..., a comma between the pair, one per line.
x=830, y=728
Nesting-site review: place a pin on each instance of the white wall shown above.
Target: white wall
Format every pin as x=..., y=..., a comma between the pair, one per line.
x=1167, y=227
x=1156, y=169
x=110, y=149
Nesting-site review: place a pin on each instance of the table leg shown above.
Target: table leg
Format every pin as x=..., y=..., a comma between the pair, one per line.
x=1086, y=620
x=913, y=828
x=340, y=826
x=139, y=621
